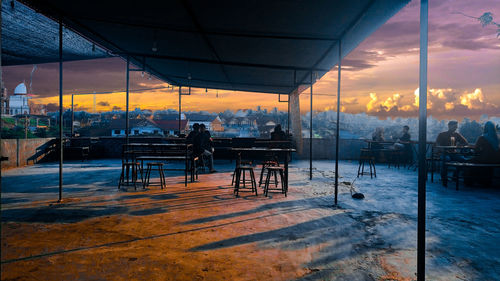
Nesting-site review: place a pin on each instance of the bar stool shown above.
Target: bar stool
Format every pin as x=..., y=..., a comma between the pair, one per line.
x=366, y=156
x=127, y=168
x=397, y=157
x=240, y=179
x=239, y=163
x=274, y=170
x=265, y=164
x=150, y=166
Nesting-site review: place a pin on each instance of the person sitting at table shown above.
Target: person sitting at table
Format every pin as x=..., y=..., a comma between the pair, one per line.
x=487, y=152
x=377, y=136
x=278, y=134
x=204, y=146
x=193, y=133
x=451, y=137
x=486, y=146
x=403, y=143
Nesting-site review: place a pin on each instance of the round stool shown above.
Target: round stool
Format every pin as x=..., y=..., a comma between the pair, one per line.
x=241, y=182
x=274, y=170
x=150, y=166
x=366, y=156
x=129, y=171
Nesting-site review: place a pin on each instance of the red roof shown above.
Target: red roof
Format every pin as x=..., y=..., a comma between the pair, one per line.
x=171, y=124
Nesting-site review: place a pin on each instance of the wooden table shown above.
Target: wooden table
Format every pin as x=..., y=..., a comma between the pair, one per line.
x=162, y=152
x=283, y=151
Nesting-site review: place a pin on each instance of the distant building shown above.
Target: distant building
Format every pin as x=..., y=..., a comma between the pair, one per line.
x=168, y=116
x=213, y=123
x=137, y=127
x=18, y=103
x=171, y=127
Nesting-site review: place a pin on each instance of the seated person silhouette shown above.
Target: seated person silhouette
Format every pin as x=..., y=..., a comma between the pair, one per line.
x=204, y=146
x=403, y=143
x=487, y=152
x=278, y=134
x=450, y=138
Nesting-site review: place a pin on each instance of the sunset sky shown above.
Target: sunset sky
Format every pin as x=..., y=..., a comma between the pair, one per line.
x=380, y=76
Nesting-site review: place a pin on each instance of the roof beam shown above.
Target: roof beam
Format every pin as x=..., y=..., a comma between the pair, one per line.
x=354, y=22
x=205, y=38
x=216, y=62
x=230, y=33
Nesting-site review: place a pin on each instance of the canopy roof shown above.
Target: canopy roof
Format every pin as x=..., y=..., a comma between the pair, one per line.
x=29, y=38
x=259, y=46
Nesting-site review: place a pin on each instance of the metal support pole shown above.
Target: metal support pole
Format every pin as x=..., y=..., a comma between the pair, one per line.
x=25, y=126
x=60, y=109
x=337, y=131
x=288, y=117
x=422, y=138
x=311, y=132
x=126, y=110
x=180, y=93
x=72, y=116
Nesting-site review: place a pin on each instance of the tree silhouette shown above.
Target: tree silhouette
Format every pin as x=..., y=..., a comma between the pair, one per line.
x=485, y=20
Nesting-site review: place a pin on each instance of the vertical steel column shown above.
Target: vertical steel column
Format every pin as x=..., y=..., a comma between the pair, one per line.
x=422, y=138
x=72, y=115
x=127, y=103
x=337, y=131
x=288, y=116
x=180, y=93
x=311, y=132
x=60, y=109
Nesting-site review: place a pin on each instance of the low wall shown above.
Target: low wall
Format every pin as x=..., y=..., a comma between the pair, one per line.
x=325, y=149
x=22, y=152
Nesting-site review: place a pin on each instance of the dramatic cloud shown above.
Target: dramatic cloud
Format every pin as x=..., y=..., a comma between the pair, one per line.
x=103, y=103
x=446, y=101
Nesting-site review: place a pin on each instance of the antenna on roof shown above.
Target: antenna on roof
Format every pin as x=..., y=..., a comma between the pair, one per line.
x=94, y=101
x=31, y=78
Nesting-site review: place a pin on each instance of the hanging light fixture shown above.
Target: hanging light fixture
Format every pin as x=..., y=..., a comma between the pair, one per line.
x=93, y=47
x=155, y=43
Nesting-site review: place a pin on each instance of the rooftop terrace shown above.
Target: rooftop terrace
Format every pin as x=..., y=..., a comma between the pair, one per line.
x=204, y=232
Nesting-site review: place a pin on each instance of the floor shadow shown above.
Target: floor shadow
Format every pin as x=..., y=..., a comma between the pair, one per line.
x=283, y=206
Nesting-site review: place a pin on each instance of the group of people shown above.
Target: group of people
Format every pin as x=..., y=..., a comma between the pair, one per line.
x=402, y=142
x=202, y=143
x=203, y=147
x=486, y=149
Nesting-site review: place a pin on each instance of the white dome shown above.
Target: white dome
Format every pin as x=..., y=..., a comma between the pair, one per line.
x=20, y=89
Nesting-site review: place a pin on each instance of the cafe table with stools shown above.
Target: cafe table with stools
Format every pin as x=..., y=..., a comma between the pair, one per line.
x=254, y=152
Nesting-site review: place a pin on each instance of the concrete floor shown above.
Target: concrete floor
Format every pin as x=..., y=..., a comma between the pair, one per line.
x=204, y=232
